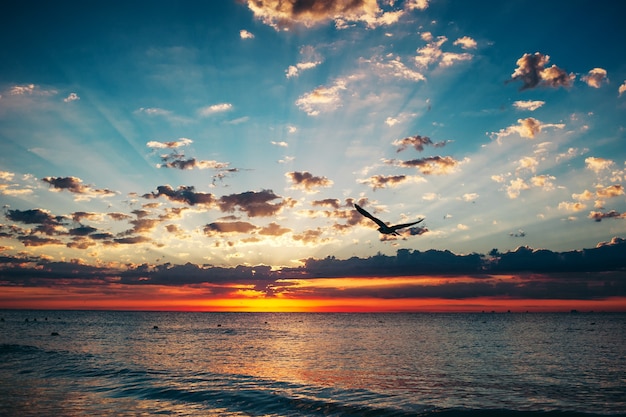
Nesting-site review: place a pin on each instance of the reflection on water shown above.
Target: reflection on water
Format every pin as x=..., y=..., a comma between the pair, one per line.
x=228, y=364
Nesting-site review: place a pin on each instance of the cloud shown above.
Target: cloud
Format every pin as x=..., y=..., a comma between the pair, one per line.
x=432, y=52
x=466, y=42
x=391, y=181
x=274, y=229
x=75, y=185
x=394, y=67
x=183, y=194
x=528, y=162
x=244, y=34
x=307, y=181
x=283, y=15
x=531, y=70
x=254, y=204
x=282, y=144
x=71, y=97
x=418, y=142
x=219, y=228
x=598, y=216
x=572, y=206
x=322, y=99
x=294, y=70
x=596, y=77
x=432, y=165
x=515, y=187
x=527, y=128
x=169, y=145
x=30, y=90
x=622, y=89
x=180, y=162
x=214, y=108
x=530, y=105
x=598, y=164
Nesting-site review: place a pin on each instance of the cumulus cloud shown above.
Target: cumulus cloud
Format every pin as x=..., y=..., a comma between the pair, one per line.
x=219, y=228
x=466, y=42
x=307, y=181
x=183, y=194
x=244, y=34
x=214, y=108
x=322, y=99
x=180, y=162
x=598, y=215
x=390, y=181
x=598, y=164
x=432, y=165
x=71, y=97
x=596, y=77
x=418, y=142
x=526, y=128
x=75, y=185
x=253, y=203
x=572, y=206
x=432, y=52
x=283, y=15
x=622, y=89
x=515, y=187
x=169, y=145
x=530, y=105
x=532, y=72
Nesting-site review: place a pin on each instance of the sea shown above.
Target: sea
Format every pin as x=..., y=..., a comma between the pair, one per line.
x=111, y=363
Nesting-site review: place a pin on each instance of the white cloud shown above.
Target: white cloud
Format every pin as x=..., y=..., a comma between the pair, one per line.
x=71, y=97
x=530, y=105
x=598, y=164
x=322, y=99
x=214, y=108
x=281, y=144
x=527, y=128
x=244, y=34
x=596, y=77
x=466, y=42
x=622, y=89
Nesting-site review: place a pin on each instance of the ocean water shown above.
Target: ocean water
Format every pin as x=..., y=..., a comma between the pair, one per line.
x=76, y=363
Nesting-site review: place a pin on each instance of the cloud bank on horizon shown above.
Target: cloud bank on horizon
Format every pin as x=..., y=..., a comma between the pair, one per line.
x=235, y=144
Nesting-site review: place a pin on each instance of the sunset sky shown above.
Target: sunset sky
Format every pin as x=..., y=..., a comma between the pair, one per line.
x=206, y=155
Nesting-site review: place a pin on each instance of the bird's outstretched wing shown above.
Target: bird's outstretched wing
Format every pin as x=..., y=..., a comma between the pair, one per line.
x=401, y=226
x=369, y=216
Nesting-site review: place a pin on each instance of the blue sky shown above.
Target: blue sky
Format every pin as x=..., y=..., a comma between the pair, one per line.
x=228, y=133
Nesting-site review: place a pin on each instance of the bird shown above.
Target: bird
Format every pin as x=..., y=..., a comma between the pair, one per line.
x=384, y=228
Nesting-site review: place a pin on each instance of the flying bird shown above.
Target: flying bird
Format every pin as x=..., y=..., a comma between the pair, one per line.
x=384, y=228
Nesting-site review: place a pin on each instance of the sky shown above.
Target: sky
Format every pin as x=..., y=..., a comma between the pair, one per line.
x=192, y=155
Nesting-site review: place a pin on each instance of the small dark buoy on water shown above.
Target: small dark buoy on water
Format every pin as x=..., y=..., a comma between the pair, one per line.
x=155, y=327
x=54, y=334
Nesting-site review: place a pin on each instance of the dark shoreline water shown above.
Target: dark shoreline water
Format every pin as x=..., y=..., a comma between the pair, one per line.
x=311, y=364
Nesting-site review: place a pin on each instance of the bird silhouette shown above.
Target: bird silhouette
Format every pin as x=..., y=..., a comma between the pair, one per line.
x=383, y=227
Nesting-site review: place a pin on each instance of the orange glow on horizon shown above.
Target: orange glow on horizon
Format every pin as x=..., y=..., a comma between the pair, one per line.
x=161, y=298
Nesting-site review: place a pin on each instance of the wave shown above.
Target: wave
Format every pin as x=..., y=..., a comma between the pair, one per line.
x=227, y=394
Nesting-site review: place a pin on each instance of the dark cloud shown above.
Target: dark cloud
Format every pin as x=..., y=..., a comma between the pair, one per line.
x=75, y=185
x=599, y=215
x=382, y=181
x=307, y=181
x=33, y=240
x=183, y=194
x=274, y=229
x=594, y=273
x=253, y=203
x=531, y=70
x=418, y=142
x=82, y=231
x=47, y=223
x=216, y=228
x=432, y=165
x=329, y=202
x=179, y=161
